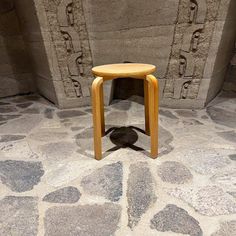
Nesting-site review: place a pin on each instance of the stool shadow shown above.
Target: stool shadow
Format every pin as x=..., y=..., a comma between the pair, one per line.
x=124, y=137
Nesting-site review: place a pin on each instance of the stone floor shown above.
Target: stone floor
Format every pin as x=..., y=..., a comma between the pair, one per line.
x=51, y=185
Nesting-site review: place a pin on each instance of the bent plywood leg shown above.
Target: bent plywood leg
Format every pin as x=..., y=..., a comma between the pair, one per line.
x=97, y=116
x=102, y=110
x=146, y=107
x=153, y=113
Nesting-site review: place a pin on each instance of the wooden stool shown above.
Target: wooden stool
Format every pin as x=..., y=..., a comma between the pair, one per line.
x=128, y=70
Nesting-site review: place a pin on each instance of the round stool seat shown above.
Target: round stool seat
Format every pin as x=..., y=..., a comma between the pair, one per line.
x=124, y=70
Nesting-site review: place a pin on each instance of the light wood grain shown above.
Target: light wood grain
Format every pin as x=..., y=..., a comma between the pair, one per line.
x=97, y=116
x=134, y=70
x=153, y=113
x=113, y=71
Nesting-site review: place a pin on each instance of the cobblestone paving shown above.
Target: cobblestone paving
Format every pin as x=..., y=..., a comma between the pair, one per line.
x=51, y=184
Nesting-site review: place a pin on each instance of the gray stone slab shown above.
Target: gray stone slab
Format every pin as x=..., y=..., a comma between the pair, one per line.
x=19, y=216
x=21, y=125
x=86, y=220
x=226, y=179
x=204, y=117
x=7, y=109
x=208, y=200
x=228, y=135
x=64, y=195
x=58, y=151
x=48, y=113
x=48, y=136
x=70, y=114
x=74, y=129
x=174, y=172
x=31, y=111
x=24, y=105
x=20, y=176
x=11, y=137
x=8, y=117
x=140, y=192
x=222, y=116
x=232, y=157
x=121, y=105
x=23, y=99
x=4, y=103
x=205, y=161
x=168, y=114
x=186, y=113
x=177, y=220
x=105, y=181
x=227, y=228
x=192, y=122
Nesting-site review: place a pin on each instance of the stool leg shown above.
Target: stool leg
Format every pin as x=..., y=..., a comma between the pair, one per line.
x=153, y=113
x=97, y=114
x=102, y=110
x=146, y=106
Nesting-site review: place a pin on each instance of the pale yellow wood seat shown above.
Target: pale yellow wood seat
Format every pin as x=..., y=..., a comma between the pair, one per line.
x=151, y=91
x=124, y=70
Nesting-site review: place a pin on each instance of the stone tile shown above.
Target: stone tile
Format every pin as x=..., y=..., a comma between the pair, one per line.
x=48, y=136
x=58, y=151
x=222, y=116
x=70, y=114
x=105, y=181
x=117, y=118
x=232, y=194
x=204, y=117
x=7, y=109
x=174, y=172
x=232, y=157
x=192, y=122
x=63, y=174
x=84, y=141
x=228, y=135
x=177, y=220
x=76, y=128
x=8, y=117
x=125, y=137
x=11, y=137
x=90, y=110
x=23, y=99
x=140, y=192
x=4, y=103
x=122, y=105
x=227, y=228
x=99, y=220
x=64, y=195
x=19, y=216
x=208, y=200
x=186, y=113
x=24, y=105
x=21, y=125
x=168, y=114
x=31, y=111
x=20, y=176
x=48, y=113
x=17, y=150
x=205, y=161
x=226, y=179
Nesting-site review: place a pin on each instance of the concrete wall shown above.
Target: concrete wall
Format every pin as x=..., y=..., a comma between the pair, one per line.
x=33, y=32
x=128, y=30
x=230, y=81
x=222, y=46
x=188, y=40
x=15, y=67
